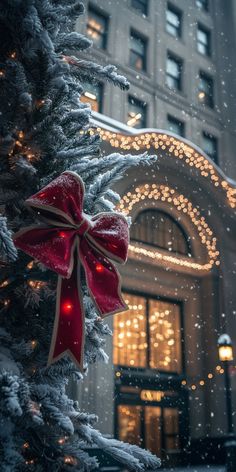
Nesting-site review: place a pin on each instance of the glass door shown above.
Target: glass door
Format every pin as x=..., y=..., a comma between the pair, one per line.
x=155, y=427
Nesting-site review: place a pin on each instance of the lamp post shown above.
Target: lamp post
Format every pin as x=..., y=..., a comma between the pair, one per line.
x=225, y=349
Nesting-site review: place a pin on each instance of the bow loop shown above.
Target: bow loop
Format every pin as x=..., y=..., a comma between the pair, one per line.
x=110, y=234
x=61, y=200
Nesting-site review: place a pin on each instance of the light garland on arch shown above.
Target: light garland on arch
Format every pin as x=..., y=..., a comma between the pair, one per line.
x=167, y=194
x=176, y=148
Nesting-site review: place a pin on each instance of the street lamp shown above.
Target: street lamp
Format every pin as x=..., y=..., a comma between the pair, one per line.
x=225, y=349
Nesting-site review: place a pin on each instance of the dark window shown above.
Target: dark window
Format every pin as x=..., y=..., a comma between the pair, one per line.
x=175, y=126
x=159, y=229
x=97, y=28
x=141, y=6
x=205, y=90
x=173, y=22
x=203, y=41
x=138, y=51
x=174, y=68
x=210, y=147
x=148, y=334
x=202, y=4
x=137, y=113
x=93, y=94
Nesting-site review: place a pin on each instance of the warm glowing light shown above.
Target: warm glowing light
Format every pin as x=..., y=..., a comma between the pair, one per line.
x=152, y=395
x=175, y=149
x=13, y=55
x=70, y=460
x=202, y=382
x=201, y=96
x=210, y=376
x=193, y=387
x=90, y=95
x=184, y=382
x=26, y=445
x=33, y=343
x=225, y=353
x=2, y=73
x=36, y=284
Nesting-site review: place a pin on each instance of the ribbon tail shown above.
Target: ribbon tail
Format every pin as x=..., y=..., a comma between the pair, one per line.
x=68, y=331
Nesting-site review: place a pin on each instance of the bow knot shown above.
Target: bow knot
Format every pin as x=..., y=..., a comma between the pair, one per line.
x=97, y=241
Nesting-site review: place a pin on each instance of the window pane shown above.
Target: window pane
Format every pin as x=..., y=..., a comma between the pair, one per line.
x=173, y=22
x=137, y=52
x=210, y=146
x=137, y=112
x=173, y=68
x=130, y=336
x=205, y=93
x=203, y=41
x=175, y=126
x=93, y=95
x=157, y=228
x=141, y=6
x=165, y=336
x=129, y=424
x=97, y=28
x=173, y=73
x=153, y=430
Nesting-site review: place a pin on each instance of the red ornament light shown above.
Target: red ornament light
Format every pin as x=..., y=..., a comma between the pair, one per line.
x=67, y=307
x=62, y=234
x=99, y=268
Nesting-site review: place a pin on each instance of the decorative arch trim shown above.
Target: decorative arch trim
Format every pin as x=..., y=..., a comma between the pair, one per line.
x=176, y=148
x=164, y=193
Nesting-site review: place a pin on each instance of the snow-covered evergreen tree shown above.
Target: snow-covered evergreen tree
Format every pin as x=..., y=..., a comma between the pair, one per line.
x=44, y=130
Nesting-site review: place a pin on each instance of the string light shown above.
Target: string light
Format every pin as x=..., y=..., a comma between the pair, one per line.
x=33, y=343
x=70, y=460
x=26, y=445
x=175, y=149
x=36, y=284
x=152, y=192
x=4, y=283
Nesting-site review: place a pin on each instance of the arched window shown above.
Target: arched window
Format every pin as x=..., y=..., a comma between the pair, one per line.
x=157, y=228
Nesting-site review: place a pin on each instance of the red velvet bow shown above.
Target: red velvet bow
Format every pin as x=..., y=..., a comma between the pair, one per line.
x=70, y=238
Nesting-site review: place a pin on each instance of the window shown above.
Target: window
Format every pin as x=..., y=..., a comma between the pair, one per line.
x=141, y=6
x=202, y=4
x=93, y=95
x=175, y=126
x=137, y=113
x=149, y=335
x=174, y=73
x=173, y=22
x=205, y=90
x=97, y=28
x=209, y=145
x=138, y=51
x=159, y=229
x=203, y=41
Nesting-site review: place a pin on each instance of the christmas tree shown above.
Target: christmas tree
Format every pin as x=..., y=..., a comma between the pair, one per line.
x=45, y=130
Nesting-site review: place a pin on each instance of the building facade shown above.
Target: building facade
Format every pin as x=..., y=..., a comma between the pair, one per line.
x=163, y=386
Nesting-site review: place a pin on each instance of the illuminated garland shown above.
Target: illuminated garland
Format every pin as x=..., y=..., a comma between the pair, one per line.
x=175, y=148
x=167, y=194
